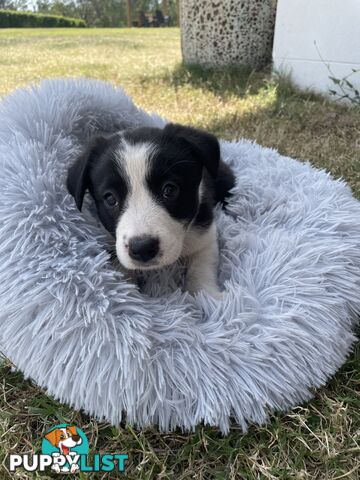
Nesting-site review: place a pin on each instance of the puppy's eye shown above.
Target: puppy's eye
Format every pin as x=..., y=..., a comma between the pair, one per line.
x=170, y=191
x=110, y=199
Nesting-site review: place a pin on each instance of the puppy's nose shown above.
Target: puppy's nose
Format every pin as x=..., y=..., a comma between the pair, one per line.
x=76, y=438
x=143, y=248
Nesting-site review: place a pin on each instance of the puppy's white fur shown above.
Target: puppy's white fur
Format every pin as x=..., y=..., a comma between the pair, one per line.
x=142, y=215
x=201, y=248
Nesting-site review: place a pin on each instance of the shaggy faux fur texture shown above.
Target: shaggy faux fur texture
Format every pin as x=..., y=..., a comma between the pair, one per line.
x=290, y=266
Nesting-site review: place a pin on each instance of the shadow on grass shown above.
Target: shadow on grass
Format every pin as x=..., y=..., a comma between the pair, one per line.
x=223, y=82
x=273, y=106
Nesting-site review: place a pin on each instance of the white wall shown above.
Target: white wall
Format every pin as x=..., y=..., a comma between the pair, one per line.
x=335, y=27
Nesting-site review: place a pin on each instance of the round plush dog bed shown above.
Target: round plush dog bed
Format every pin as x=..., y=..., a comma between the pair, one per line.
x=290, y=268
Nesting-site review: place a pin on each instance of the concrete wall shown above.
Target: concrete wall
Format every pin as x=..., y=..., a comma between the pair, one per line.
x=227, y=32
x=308, y=30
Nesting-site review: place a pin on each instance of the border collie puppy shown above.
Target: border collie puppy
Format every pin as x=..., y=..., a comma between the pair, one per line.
x=155, y=190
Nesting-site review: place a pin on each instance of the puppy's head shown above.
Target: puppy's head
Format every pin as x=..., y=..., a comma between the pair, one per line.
x=147, y=186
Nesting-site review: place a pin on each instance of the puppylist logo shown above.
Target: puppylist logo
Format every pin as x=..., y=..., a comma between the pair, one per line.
x=65, y=449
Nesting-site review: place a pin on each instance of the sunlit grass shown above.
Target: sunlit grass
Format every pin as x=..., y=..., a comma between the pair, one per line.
x=319, y=440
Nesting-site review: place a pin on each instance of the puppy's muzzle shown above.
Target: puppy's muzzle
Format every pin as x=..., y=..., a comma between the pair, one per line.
x=144, y=248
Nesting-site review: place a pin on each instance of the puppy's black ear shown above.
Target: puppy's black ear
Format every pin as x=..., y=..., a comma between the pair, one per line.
x=205, y=144
x=78, y=179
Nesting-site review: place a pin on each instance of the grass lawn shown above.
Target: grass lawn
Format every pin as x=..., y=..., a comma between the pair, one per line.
x=318, y=440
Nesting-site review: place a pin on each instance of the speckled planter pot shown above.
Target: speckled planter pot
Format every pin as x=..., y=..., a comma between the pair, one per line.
x=227, y=32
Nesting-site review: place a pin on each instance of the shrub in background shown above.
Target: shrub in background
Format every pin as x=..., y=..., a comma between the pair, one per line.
x=16, y=19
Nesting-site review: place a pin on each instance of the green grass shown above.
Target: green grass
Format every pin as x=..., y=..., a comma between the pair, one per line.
x=318, y=440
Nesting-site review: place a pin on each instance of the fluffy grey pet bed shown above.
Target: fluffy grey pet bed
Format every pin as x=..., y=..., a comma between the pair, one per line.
x=290, y=265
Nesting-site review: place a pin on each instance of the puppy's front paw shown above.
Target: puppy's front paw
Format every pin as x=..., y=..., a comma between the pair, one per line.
x=212, y=290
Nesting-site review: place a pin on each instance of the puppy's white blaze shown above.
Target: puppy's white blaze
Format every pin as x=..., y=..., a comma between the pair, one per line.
x=142, y=214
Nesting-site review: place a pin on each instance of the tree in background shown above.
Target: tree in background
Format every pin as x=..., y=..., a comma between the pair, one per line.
x=97, y=13
x=169, y=8
x=103, y=13
x=173, y=8
x=64, y=8
x=13, y=5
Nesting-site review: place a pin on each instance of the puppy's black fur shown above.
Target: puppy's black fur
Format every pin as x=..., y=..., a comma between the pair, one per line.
x=182, y=156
